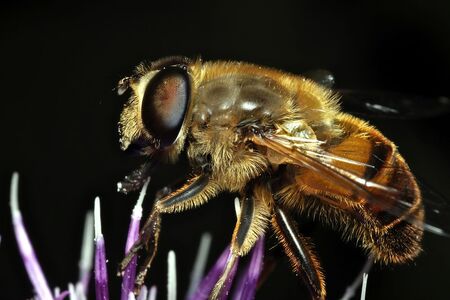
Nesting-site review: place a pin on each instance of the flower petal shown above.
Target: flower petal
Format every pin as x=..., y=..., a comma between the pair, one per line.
x=29, y=258
x=171, y=276
x=350, y=291
x=143, y=293
x=87, y=253
x=225, y=290
x=200, y=263
x=62, y=295
x=246, y=287
x=364, y=286
x=209, y=281
x=152, y=293
x=101, y=273
x=129, y=274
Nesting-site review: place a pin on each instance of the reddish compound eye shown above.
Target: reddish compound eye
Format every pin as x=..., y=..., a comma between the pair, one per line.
x=165, y=103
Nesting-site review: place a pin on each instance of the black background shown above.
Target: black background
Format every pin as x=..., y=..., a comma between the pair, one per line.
x=59, y=64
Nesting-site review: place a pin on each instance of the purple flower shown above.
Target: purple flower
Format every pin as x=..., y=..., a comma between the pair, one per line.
x=133, y=233
x=246, y=286
x=42, y=290
x=207, y=284
x=101, y=273
x=199, y=289
x=29, y=258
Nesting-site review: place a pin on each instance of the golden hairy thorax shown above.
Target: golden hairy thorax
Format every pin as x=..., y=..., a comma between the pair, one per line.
x=246, y=91
x=227, y=94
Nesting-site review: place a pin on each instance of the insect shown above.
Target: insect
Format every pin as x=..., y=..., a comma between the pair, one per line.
x=281, y=142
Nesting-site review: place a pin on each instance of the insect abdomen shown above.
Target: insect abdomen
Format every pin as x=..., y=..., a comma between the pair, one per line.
x=391, y=232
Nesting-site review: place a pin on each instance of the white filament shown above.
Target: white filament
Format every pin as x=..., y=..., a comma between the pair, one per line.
x=351, y=289
x=171, y=276
x=131, y=296
x=364, y=286
x=137, y=210
x=97, y=219
x=87, y=247
x=14, y=192
x=200, y=263
x=72, y=294
x=152, y=293
x=79, y=290
x=56, y=291
x=142, y=294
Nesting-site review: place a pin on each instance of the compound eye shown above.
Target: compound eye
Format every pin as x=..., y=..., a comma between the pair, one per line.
x=164, y=104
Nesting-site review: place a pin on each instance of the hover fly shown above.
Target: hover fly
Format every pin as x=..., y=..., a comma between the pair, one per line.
x=282, y=143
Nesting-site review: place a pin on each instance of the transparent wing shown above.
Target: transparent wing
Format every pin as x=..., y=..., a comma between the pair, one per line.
x=383, y=104
x=360, y=190
x=322, y=77
x=437, y=209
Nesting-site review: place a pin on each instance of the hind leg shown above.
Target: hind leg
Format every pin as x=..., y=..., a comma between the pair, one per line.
x=300, y=252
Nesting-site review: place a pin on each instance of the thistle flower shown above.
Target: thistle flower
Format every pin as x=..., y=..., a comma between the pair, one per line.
x=29, y=258
x=246, y=287
x=78, y=291
x=133, y=234
x=101, y=273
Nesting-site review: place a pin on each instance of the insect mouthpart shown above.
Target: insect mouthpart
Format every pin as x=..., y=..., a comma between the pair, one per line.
x=144, y=144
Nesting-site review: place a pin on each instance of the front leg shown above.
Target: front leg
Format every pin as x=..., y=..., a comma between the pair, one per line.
x=135, y=180
x=195, y=192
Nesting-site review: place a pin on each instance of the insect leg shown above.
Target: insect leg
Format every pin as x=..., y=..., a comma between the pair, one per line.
x=194, y=193
x=135, y=180
x=299, y=250
x=250, y=226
